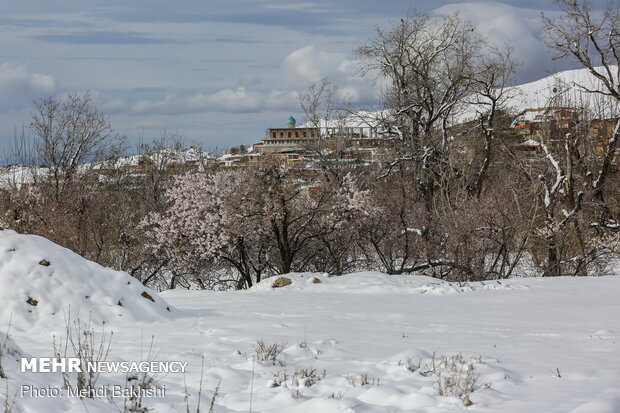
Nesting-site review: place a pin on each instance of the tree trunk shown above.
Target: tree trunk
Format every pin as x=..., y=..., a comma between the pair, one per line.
x=553, y=262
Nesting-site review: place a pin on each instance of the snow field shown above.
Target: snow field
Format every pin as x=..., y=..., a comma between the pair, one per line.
x=363, y=342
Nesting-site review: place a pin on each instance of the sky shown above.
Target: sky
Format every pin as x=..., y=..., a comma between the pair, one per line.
x=217, y=72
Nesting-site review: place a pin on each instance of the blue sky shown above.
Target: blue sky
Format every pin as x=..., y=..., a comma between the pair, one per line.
x=218, y=72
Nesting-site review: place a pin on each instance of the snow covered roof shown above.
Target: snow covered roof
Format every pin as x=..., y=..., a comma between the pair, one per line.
x=531, y=115
x=529, y=142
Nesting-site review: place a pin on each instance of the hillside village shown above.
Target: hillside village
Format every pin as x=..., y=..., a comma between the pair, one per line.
x=357, y=140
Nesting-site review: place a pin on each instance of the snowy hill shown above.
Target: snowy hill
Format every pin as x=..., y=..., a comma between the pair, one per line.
x=565, y=87
x=41, y=281
x=559, y=89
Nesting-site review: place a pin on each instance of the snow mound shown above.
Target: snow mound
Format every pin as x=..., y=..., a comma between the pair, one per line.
x=41, y=282
x=371, y=282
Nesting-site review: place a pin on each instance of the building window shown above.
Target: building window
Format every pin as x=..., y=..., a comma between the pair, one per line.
x=304, y=134
x=289, y=134
x=273, y=135
x=297, y=134
x=281, y=134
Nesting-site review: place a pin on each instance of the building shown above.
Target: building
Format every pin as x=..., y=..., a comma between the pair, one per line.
x=288, y=139
x=551, y=125
x=547, y=125
x=601, y=130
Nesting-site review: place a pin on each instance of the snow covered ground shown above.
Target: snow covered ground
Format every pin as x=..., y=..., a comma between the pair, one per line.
x=363, y=342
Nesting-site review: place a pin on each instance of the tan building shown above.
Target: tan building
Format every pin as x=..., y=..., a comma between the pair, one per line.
x=548, y=125
x=600, y=132
x=290, y=138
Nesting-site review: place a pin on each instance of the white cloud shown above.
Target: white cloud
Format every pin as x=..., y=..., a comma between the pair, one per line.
x=18, y=87
x=239, y=100
x=350, y=93
x=312, y=7
x=303, y=66
x=308, y=65
x=112, y=106
x=502, y=24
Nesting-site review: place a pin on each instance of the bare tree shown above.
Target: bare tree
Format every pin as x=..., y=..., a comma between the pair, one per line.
x=439, y=74
x=321, y=111
x=584, y=177
x=593, y=41
x=427, y=64
x=277, y=201
x=318, y=103
x=72, y=132
x=491, y=92
x=21, y=150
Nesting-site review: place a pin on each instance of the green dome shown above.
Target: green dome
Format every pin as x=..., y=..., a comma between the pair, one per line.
x=291, y=122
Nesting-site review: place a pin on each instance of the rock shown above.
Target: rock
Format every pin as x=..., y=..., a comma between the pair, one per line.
x=147, y=296
x=32, y=301
x=44, y=263
x=315, y=280
x=281, y=282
